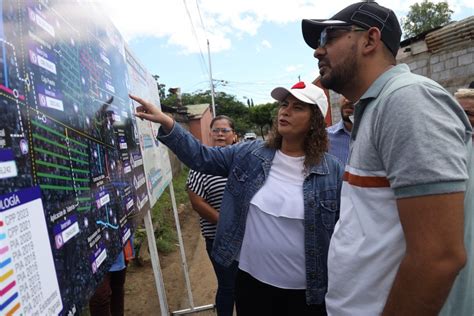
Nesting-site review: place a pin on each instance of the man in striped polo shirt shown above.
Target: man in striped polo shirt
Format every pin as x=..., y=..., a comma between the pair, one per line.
x=398, y=245
x=205, y=193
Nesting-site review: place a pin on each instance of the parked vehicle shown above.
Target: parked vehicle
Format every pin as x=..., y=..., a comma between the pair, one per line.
x=250, y=136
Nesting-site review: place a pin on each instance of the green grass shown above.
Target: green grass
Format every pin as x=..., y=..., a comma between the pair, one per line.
x=163, y=217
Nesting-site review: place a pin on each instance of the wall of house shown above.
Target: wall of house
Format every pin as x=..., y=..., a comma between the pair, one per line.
x=206, y=119
x=452, y=68
x=195, y=128
x=200, y=127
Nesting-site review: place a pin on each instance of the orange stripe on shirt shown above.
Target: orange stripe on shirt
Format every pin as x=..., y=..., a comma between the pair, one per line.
x=366, y=182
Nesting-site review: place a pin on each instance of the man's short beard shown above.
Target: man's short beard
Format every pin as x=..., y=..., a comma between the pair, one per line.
x=341, y=78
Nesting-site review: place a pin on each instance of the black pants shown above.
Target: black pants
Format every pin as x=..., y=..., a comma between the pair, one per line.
x=256, y=298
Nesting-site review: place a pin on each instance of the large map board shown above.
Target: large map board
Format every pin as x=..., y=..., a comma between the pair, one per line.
x=74, y=163
x=155, y=156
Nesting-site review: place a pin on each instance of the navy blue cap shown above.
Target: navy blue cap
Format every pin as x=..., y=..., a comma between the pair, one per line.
x=362, y=14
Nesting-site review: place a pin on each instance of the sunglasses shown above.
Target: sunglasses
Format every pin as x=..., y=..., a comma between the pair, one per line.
x=332, y=32
x=221, y=130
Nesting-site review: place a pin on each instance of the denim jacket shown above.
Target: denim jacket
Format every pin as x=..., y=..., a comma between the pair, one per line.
x=247, y=165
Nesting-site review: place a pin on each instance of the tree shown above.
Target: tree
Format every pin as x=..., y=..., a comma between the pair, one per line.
x=226, y=104
x=262, y=116
x=425, y=16
x=160, y=87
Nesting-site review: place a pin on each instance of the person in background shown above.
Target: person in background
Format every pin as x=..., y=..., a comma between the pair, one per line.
x=460, y=300
x=108, y=298
x=340, y=133
x=280, y=204
x=398, y=245
x=465, y=97
x=205, y=193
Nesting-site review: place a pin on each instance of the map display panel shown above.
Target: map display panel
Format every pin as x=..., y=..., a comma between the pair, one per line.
x=155, y=156
x=70, y=153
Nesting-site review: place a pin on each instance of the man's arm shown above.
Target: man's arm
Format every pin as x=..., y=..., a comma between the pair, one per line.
x=203, y=208
x=433, y=228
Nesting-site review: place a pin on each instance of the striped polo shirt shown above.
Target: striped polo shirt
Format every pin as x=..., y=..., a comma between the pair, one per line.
x=410, y=138
x=210, y=188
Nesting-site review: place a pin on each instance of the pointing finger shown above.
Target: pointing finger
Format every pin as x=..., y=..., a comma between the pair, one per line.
x=138, y=99
x=141, y=101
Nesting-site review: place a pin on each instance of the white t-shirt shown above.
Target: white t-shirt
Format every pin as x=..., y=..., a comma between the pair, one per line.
x=273, y=245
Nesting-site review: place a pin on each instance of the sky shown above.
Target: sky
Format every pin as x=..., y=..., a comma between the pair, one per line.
x=255, y=45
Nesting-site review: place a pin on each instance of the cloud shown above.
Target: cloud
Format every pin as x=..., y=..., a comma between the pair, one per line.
x=263, y=45
x=222, y=20
x=293, y=68
x=266, y=44
x=180, y=23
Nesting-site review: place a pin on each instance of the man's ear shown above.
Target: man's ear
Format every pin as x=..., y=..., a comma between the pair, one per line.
x=372, y=40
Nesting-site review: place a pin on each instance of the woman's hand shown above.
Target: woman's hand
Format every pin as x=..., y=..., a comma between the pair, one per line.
x=150, y=112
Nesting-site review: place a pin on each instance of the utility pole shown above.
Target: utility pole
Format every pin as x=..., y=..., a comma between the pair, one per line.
x=212, y=83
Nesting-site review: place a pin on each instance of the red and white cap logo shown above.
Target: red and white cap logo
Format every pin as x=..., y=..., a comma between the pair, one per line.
x=305, y=92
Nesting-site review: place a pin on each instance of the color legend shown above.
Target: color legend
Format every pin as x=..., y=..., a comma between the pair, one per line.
x=28, y=284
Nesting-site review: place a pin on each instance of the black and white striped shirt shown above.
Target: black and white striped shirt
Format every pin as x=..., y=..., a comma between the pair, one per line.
x=211, y=189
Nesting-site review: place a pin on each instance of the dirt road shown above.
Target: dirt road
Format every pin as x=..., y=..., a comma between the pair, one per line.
x=141, y=297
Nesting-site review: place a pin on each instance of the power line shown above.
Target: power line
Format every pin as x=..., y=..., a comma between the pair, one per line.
x=200, y=17
x=203, y=62
x=273, y=82
x=200, y=83
x=202, y=56
x=264, y=93
x=237, y=88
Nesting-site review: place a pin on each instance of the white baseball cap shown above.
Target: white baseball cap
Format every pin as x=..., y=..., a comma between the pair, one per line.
x=305, y=92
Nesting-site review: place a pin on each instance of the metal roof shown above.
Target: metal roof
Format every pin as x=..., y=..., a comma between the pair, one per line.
x=450, y=35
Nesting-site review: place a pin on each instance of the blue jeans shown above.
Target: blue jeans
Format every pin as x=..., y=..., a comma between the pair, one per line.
x=225, y=283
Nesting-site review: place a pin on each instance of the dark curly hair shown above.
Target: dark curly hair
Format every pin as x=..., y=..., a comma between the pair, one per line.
x=315, y=141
